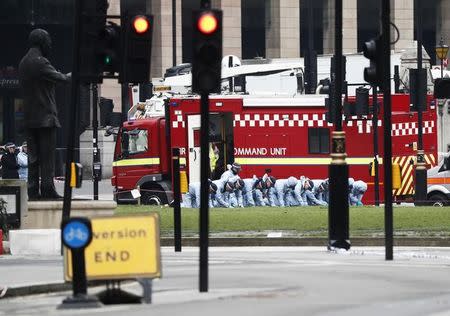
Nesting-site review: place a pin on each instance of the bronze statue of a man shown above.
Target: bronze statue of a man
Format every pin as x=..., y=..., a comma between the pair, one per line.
x=38, y=79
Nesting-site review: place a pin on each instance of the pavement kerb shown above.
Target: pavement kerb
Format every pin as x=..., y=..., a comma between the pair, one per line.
x=42, y=288
x=308, y=241
x=33, y=289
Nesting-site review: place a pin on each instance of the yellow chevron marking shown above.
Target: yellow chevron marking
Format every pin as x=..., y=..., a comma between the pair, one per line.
x=433, y=160
x=408, y=180
x=407, y=169
x=404, y=168
x=402, y=160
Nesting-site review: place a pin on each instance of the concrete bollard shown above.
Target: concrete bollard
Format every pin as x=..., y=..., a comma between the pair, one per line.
x=41, y=242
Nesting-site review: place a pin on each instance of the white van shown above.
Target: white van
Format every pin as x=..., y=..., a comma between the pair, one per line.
x=438, y=182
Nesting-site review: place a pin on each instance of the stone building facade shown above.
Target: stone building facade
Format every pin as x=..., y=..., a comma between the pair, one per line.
x=275, y=28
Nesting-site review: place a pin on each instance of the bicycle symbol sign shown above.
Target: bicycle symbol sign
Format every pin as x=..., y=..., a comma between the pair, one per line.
x=76, y=234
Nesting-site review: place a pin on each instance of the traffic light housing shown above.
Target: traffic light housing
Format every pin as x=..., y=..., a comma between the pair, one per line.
x=374, y=73
x=109, y=52
x=207, y=51
x=327, y=88
x=417, y=93
x=344, y=72
x=310, y=72
x=93, y=19
x=362, y=101
x=442, y=88
x=106, y=47
x=137, y=44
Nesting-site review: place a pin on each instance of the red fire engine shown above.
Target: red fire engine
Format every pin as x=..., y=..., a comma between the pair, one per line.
x=288, y=135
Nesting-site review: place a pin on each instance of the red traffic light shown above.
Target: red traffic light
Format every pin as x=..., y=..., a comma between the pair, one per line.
x=140, y=24
x=207, y=23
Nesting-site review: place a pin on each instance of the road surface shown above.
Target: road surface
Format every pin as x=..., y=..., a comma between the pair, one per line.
x=281, y=281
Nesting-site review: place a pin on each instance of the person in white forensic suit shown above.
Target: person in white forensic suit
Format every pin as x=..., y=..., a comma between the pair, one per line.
x=283, y=192
x=357, y=193
x=192, y=197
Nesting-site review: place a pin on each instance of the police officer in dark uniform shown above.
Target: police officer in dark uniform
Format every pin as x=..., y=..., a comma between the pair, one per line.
x=38, y=79
x=10, y=166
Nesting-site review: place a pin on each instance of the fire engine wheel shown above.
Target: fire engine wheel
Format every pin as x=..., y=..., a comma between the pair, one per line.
x=154, y=198
x=437, y=200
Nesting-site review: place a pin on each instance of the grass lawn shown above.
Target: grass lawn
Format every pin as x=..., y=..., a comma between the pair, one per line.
x=303, y=221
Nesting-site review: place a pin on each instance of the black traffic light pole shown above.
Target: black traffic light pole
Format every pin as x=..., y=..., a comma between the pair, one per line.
x=387, y=159
x=204, y=192
x=204, y=185
x=75, y=91
x=421, y=170
x=206, y=78
x=338, y=212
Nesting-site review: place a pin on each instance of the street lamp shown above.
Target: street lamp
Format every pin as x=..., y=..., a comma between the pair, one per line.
x=441, y=53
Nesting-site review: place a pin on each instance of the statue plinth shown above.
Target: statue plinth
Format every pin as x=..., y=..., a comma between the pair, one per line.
x=48, y=214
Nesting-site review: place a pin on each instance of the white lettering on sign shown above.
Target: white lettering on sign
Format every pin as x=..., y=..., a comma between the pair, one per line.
x=278, y=151
x=260, y=151
x=183, y=151
x=250, y=151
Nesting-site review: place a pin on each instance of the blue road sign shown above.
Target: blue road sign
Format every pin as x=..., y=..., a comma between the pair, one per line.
x=76, y=234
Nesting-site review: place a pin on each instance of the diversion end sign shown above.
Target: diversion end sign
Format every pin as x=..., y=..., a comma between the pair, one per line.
x=121, y=247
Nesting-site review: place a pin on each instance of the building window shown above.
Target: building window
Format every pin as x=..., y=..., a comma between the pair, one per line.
x=369, y=21
x=429, y=15
x=312, y=10
x=318, y=140
x=187, y=6
x=253, y=29
x=37, y=12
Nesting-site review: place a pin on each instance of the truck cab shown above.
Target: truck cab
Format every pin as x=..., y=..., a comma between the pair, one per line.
x=141, y=162
x=438, y=182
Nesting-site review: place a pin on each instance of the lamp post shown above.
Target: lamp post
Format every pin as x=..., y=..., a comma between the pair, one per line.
x=420, y=99
x=338, y=213
x=441, y=53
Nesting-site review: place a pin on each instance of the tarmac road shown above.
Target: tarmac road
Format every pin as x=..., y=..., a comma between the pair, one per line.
x=281, y=281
